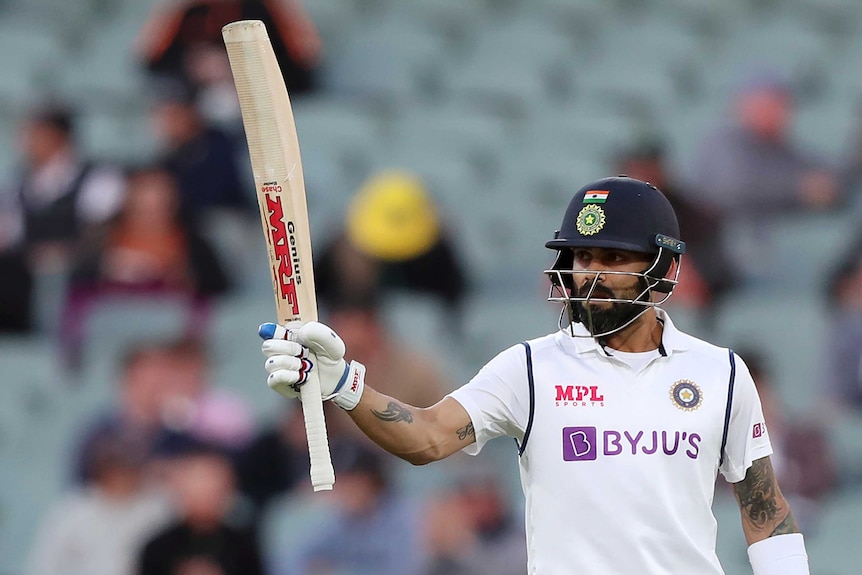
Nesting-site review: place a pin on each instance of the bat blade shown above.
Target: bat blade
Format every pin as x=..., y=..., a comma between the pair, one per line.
x=277, y=168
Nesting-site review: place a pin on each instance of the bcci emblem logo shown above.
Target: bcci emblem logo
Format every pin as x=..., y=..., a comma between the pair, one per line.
x=591, y=220
x=686, y=395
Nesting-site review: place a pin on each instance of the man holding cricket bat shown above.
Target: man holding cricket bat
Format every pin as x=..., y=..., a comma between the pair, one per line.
x=621, y=421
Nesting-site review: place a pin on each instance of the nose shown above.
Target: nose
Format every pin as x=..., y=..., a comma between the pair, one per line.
x=594, y=272
x=590, y=280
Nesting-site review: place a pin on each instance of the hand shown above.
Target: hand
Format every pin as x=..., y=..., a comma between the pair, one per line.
x=296, y=349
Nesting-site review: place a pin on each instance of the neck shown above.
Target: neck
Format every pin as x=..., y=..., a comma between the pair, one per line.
x=642, y=335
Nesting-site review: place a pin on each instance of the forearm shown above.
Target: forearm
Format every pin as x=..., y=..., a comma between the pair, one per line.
x=418, y=435
x=775, y=546
x=764, y=510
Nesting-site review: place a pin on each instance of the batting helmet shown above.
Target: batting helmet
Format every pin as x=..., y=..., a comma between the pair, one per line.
x=617, y=213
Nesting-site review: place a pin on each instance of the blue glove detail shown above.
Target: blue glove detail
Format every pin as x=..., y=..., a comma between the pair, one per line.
x=267, y=330
x=343, y=379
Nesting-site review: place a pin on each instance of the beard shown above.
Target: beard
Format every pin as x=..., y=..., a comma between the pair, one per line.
x=605, y=318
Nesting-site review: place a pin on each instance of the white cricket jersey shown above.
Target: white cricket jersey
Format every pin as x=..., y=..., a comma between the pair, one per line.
x=618, y=465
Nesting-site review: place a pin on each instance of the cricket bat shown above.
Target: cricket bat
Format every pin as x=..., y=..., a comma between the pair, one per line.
x=274, y=150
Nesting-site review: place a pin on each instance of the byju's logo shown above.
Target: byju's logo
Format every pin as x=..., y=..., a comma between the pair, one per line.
x=579, y=443
x=759, y=430
x=586, y=443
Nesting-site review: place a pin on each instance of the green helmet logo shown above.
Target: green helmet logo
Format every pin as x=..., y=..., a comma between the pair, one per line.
x=591, y=220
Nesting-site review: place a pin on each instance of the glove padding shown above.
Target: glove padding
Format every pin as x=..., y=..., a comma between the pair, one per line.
x=294, y=350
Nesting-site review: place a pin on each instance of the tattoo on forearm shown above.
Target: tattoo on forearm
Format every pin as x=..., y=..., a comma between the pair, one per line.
x=761, y=502
x=787, y=526
x=466, y=431
x=394, y=412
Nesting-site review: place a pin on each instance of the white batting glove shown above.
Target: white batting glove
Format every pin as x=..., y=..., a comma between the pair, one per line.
x=295, y=349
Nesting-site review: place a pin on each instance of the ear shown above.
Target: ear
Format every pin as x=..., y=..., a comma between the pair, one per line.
x=672, y=271
x=670, y=274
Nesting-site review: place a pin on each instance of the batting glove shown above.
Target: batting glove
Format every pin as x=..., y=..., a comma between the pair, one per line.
x=294, y=350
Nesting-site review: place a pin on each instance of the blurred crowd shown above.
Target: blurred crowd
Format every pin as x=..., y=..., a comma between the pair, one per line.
x=178, y=477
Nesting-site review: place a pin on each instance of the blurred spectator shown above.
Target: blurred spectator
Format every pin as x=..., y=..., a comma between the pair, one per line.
x=137, y=409
x=203, y=158
x=164, y=398
x=16, y=289
x=709, y=274
x=182, y=40
x=343, y=273
x=100, y=528
x=851, y=166
x=276, y=461
x=375, y=531
x=195, y=407
x=16, y=292
x=207, y=538
x=148, y=249
x=472, y=531
x=843, y=348
x=60, y=193
x=802, y=457
x=752, y=166
x=394, y=229
x=150, y=246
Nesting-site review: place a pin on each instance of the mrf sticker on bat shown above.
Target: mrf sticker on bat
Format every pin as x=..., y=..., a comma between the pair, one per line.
x=286, y=269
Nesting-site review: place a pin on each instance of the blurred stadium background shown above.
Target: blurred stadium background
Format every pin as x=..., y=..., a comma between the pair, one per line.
x=505, y=108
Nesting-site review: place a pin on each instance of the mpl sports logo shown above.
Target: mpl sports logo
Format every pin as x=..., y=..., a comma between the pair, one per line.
x=587, y=443
x=286, y=271
x=579, y=396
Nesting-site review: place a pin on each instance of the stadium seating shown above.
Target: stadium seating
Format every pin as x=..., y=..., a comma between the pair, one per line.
x=833, y=547
x=29, y=54
x=504, y=108
x=39, y=413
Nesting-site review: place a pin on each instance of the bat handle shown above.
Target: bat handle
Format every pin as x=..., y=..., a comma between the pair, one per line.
x=322, y=473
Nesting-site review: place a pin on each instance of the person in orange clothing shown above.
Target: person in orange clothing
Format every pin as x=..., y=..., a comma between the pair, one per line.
x=150, y=245
x=149, y=249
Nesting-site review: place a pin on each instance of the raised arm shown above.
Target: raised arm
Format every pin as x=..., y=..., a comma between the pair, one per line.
x=418, y=435
x=775, y=545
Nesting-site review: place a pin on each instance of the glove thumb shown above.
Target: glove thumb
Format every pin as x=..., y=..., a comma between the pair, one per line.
x=274, y=331
x=321, y=340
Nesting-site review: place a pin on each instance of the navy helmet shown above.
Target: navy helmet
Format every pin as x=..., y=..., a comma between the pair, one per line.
x=620, y=213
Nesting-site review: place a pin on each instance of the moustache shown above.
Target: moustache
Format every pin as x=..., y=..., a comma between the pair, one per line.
x=598, y=291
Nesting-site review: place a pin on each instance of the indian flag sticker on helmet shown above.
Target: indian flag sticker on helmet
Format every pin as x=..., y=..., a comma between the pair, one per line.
x=591, y=219
x=596, y=196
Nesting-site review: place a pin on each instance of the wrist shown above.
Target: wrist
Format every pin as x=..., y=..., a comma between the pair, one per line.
x=779, y=555
x=349, y=390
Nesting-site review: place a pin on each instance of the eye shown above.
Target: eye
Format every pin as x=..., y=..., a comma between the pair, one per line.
x=583, y=258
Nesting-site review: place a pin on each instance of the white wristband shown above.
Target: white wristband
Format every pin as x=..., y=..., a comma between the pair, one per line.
x=779, y=555
x=349, y=390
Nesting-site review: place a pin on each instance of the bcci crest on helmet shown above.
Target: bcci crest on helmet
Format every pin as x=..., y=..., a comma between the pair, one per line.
x=591, y=219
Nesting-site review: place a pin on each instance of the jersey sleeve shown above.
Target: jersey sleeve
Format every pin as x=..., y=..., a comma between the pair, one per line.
x=747, y=436
x=497, y=398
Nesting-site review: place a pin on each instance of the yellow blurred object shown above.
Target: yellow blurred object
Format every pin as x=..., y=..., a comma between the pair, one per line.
x=392, y=218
